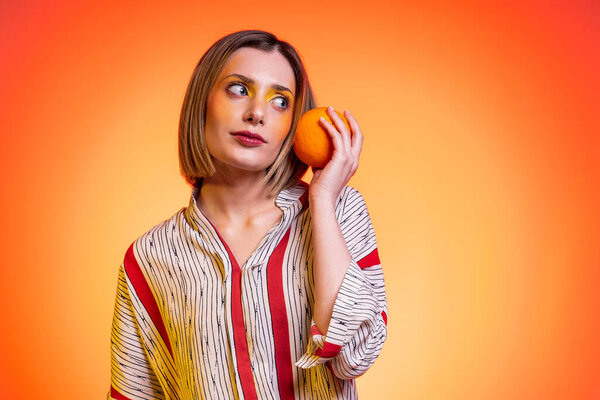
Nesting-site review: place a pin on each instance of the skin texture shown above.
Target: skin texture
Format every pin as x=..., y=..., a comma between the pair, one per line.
x=235, y=201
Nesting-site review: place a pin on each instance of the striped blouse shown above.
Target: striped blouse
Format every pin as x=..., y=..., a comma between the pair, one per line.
x=189, y=323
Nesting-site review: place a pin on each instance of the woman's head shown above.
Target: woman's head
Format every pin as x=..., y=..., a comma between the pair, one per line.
x=217, y=103
x=254, y=92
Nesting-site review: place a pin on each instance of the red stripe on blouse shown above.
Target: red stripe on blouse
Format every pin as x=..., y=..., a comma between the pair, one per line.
x=369, y=260
x=281, y=334
x=329, y=350
x=239, y=328
x=116, y=395
x=136, y=276
x=315, y=331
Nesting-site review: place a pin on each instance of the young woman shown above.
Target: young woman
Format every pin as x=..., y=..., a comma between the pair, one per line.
x=264, y=287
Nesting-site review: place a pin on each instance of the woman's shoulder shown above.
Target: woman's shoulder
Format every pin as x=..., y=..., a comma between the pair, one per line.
x=349, y=196
x=157, y=233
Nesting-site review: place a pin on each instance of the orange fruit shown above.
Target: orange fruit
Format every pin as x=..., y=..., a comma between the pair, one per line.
x=312, y=144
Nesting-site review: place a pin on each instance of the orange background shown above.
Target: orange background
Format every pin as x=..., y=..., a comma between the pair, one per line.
x=480, y=169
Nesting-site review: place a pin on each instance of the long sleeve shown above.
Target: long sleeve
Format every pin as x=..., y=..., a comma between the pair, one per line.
x=358, y=326
x=132, y=376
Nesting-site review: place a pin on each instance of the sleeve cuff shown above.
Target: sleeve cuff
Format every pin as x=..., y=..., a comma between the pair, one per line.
x=343, y=321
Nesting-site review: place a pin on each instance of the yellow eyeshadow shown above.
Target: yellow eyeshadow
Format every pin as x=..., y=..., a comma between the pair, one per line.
x=274, y=93
x=235, y=81
x=271, y=93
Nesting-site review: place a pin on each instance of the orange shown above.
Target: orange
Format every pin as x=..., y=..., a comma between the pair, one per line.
x=312, y=144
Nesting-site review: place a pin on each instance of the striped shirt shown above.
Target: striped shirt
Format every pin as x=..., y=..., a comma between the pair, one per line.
x=189, y=323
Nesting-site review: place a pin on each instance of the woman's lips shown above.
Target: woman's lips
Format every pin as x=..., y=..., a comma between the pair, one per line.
x=248, y=141
x=249, y=134
x=249, y=138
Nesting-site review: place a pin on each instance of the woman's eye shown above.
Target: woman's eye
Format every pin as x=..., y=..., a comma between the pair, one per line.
x=240, y=89
x=243, y=88
x=282, y=100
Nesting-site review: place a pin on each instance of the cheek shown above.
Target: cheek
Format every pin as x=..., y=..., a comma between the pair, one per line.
x=282, y=127
x=215, y=111
x=218, y=119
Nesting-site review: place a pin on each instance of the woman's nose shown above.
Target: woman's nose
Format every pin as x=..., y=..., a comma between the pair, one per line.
x=255, y=113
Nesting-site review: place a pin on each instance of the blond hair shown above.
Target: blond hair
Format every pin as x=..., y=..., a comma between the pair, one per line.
x=194, y=159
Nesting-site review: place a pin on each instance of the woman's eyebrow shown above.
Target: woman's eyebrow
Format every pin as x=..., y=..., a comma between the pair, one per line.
x=248, y=80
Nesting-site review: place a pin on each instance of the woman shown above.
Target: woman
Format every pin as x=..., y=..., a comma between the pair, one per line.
x=264, y=287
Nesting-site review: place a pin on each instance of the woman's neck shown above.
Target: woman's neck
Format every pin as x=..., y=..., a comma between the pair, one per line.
x=234, y=200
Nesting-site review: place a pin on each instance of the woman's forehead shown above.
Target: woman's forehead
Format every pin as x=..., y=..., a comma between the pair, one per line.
x=264, y=68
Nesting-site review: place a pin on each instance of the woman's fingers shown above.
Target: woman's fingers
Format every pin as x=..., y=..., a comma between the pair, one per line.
x=347, y=146
x=357, y=136
x=335, y=135
x=341, y=127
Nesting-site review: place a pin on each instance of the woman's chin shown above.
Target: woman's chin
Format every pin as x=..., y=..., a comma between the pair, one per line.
x=241, y=167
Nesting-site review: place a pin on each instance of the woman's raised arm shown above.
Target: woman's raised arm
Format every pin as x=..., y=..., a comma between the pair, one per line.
x=349, y=323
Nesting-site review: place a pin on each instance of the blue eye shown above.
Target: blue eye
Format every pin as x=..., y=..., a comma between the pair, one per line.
x=237, y=84
x=244, y=91
x=285, y=102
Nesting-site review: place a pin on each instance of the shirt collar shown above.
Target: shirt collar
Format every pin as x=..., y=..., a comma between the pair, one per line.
x=291, y=201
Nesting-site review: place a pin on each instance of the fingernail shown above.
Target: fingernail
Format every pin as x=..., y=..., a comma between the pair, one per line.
x=330, y=108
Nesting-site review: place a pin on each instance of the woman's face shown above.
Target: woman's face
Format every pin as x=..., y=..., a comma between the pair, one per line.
x=257, y=98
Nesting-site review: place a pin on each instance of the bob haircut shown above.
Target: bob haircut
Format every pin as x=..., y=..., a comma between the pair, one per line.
x=194, y=159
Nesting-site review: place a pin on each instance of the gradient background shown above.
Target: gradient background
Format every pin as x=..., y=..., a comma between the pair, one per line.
x=480, y=168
